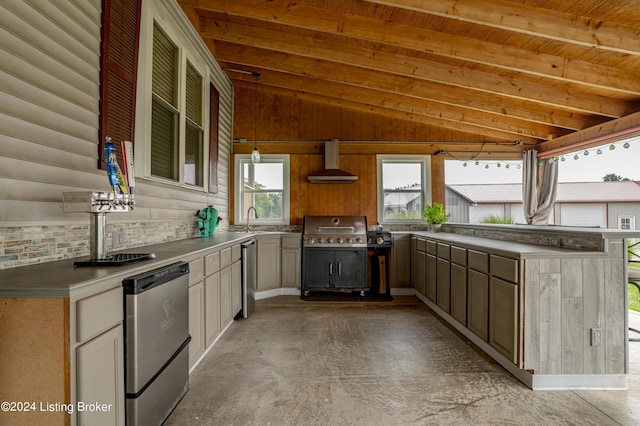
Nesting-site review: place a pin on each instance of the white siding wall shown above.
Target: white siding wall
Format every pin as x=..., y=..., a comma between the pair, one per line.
x=583, y=215
x=49, y=94
x=481, y=211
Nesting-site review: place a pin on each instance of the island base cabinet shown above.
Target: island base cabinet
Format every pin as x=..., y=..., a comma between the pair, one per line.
x=443, y=291
x=478, y=304
x=459, y=293
x=503, y=299
x=431, y=277
x=100, y=379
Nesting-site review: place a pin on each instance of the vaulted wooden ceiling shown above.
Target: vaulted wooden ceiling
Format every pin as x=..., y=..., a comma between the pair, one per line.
x=487, y=71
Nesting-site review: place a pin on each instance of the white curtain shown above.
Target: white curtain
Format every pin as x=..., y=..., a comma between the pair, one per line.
x=539, y=187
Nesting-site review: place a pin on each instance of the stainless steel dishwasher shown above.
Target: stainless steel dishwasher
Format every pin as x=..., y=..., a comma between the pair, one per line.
x=248, y=254
x=156, y=343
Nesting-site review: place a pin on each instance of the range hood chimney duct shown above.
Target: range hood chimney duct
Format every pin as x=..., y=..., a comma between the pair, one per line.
x=331, y=172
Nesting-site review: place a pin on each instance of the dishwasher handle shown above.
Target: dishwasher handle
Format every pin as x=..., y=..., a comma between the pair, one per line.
x=150, y=279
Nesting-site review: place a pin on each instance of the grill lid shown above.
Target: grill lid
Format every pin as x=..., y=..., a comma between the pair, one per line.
x=345, y=231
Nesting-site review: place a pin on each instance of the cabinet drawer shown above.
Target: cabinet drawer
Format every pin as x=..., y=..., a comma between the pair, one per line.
x=478, y=260
x=444, y=251
x=432, y=247
x=421, y=245
x=504, y=268
x=235, y=253
x=212, y=263
x=459, y=255
x=225, y=257
x=196, y=271
x=98, y=313
x=291, y=241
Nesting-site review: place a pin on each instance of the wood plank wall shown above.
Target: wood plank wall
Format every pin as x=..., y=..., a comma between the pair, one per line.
x=287, y=125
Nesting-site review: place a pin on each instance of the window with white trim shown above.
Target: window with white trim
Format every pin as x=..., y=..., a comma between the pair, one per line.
x=177, y=150
x=403, y=187
x=626, y=222
x=264, y=186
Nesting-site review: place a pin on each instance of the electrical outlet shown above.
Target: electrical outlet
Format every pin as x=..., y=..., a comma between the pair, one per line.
x=118, y=239
x=596, y=337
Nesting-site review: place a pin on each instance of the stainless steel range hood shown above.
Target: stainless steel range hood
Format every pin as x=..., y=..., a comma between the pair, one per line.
x=332, y=172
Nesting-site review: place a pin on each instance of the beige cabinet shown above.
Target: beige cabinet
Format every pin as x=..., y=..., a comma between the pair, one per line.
x=100, y=378
x=212, y=307
x=226, y=307
x=236, y=287
x=478, y=304
x=401, y=260
x=291, y=261
x=196, y=322
x=268, y=262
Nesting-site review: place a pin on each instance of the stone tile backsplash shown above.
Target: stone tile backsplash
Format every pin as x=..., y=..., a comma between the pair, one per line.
x=26, y=245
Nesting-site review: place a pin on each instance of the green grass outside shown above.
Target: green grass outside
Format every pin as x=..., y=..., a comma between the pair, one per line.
x=634, y=294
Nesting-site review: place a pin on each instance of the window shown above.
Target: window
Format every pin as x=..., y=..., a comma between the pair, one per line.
x=177, y=150
x=626, y=222
x=264, y=186
x=403, y=188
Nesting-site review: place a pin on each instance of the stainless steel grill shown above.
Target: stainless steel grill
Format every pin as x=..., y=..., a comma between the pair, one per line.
x=334, y=253
x=335, y=231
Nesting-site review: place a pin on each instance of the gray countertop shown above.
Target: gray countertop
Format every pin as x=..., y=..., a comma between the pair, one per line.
x=62, y=279
x=511, y=249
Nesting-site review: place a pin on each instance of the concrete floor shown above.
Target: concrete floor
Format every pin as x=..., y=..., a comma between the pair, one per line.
x=386, y=363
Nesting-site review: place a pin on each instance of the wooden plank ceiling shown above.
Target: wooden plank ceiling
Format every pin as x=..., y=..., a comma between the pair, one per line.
x=488, y=72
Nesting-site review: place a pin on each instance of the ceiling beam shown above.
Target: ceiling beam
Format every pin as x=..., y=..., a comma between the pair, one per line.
x=322, y=20
x=539, y=22
x=454, y=117
x=609, y=132
x=402, y=85
x=397, y=63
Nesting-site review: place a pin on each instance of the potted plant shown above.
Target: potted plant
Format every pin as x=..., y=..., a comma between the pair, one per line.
x=435, y=215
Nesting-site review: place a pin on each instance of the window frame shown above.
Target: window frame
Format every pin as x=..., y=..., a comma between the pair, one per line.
x=630, y=217
x=424, y=161
x=186, y=56
x=239, y=161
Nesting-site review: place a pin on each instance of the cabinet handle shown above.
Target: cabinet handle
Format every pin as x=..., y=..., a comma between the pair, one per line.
x=330, y=268
x=339, y=269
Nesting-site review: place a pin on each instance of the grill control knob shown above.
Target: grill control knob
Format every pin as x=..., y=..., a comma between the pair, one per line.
x=379, y=240
x=311, y=240
x=349, y=240
x=339, y=240
x=330, y=240
x=320, y=240
x=358, y=240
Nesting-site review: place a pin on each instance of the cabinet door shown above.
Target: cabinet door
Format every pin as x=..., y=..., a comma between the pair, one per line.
x=225, y=297
x=459, y=293
x=503, y=320
x=268, y=255
x=100, y=377
x=350, y=269
x=431, y=277
x=401, y=261
x=290, y=267
x=478, y=304
x=318, y=270
x=236, y=287
x=196, y=322
x=443, y=296
x=413, y=261
x=421, y=265
x=212, y=307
